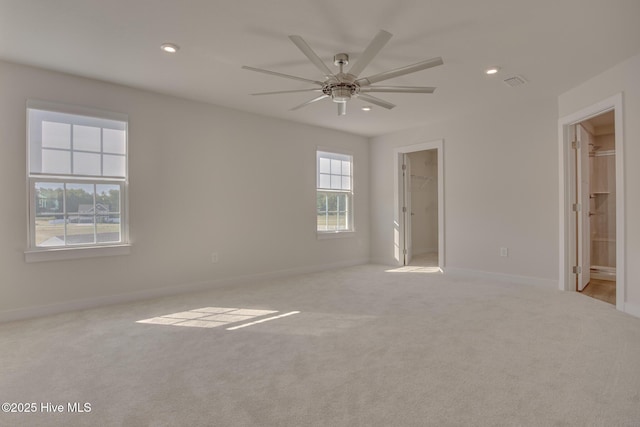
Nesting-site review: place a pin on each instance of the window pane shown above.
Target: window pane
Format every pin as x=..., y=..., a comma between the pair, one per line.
x=333, y=211
x=80, y=214
x=49, y=232
x=56, y=135
x=341, y=223
x=325, y=165
x=114, y=141
x=86, y=164
x=108, y=213
x=325, y=181
x=336, y=182
x=108, y=196
x=336, y=167
x=346, y=168
x=113, y=165
x=49, y=218
x=321, y=202
x=332, y=221
x=86, y=138
x=108, y=228
x=56, y=162
x=346, y=183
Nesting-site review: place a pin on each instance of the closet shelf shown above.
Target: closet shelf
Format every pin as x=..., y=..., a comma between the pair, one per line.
x=603, y=239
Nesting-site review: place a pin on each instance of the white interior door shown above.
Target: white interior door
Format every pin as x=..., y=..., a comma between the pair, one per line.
x=582, y=214
x=406, y=208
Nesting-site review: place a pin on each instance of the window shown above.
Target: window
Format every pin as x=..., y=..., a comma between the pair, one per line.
x=77, y=172
x=334, y=192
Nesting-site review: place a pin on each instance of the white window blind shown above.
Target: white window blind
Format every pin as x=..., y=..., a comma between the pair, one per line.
x=68, y=144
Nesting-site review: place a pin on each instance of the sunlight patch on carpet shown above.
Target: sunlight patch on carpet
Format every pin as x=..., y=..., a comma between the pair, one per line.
x=213, y=317
x=233, y=328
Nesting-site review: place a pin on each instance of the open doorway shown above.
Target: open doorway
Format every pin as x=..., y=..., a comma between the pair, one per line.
x=419, y=194
x=421, y=189
x=592, y=227
x=595, y=146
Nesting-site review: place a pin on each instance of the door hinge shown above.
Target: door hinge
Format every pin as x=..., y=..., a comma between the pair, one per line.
x=404, y=251
x=575, y=144
x=577, y=269
x=404, y=167
x=404, y=209
x=576, y=207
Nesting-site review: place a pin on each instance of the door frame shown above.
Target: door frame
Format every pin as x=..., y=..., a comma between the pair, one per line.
x=399, y=188
x=567, y=188
x=407, y=202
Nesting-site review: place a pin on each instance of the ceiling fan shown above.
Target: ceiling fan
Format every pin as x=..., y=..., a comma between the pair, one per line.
x=341, y=87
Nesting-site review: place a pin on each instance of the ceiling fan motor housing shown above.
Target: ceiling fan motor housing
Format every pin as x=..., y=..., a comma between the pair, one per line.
x=340, y=92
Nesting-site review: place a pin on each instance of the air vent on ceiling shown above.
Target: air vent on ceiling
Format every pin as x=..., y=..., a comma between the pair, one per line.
x=514, y=81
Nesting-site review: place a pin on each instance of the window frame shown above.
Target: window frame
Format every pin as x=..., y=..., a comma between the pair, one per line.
x=36, y=253
x=350, y=231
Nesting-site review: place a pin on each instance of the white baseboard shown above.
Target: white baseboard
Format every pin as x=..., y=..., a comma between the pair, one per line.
x=521, y=280
x=632, y=309
x=87, y=303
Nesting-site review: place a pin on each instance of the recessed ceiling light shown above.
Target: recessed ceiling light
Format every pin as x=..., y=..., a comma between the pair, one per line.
x=366, y=108
x=492, y=70
x=169, y=47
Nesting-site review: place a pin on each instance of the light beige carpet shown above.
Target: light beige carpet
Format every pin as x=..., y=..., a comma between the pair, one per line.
x=368, y=348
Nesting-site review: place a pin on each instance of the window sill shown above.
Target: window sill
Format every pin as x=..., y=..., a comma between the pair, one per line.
x=321, y=235
x=61, y=254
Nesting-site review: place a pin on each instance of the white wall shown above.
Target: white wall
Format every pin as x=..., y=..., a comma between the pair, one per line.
x=500, y=185
x=621, y=78
x=202, y=179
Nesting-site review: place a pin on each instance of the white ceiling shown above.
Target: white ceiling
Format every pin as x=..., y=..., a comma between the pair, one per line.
x=554, y=44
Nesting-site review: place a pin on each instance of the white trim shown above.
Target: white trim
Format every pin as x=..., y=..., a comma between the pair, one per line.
x=37, y=254
x=67, y=253
x=567, y=222
x=521, y=280
x=78, y=110
x=335, y=234
x=632, y=309
x=398, y=223
x=88, y=303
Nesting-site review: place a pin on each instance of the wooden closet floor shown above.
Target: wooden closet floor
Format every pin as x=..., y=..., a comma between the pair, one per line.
x=604, y=290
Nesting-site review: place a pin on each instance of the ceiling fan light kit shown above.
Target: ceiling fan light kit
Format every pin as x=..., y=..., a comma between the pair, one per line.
x=342, y=87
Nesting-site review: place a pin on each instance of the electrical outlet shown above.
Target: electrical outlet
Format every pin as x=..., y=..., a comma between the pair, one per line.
x=214, y=257
x=504, y=251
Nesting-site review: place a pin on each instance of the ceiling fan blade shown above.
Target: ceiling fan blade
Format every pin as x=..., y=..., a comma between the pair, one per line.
x=429, y=63
x=288, y=91
x=323, y=96
x=398, y=89
x=313, y=57
x=286, y=76
x=370, y=52
x=377, y=101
